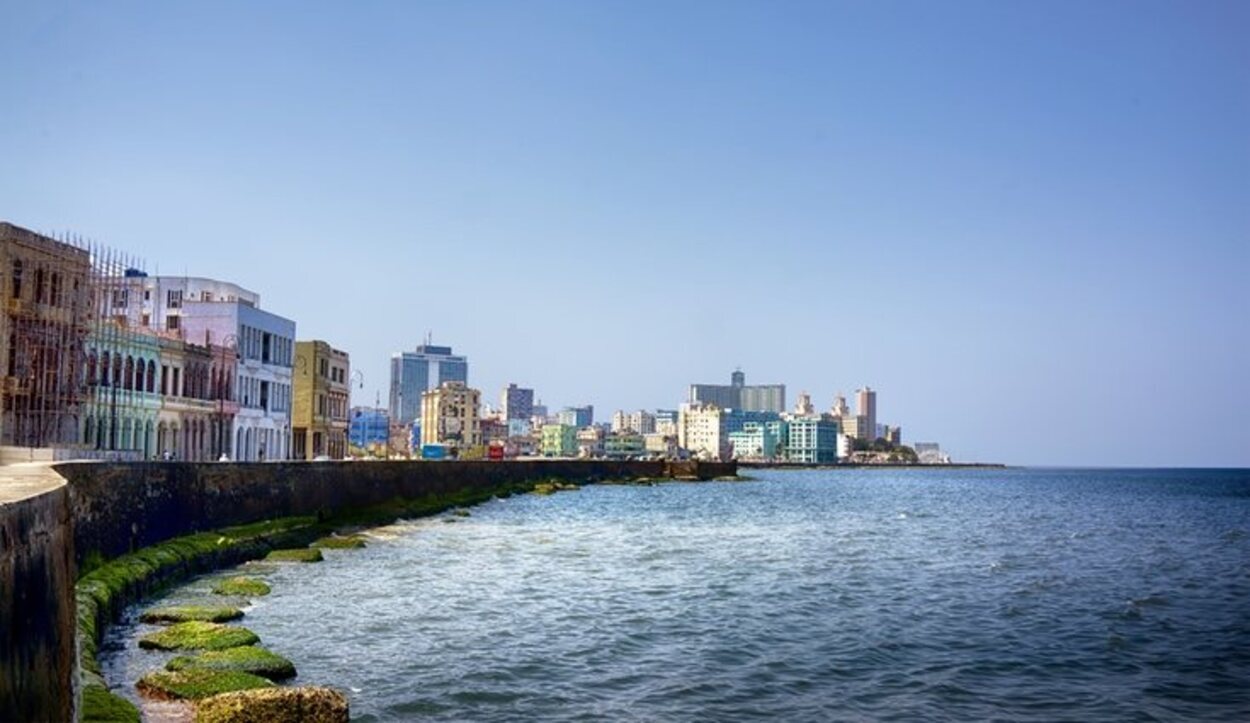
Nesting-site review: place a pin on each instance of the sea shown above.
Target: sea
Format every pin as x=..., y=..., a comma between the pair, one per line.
x=824, y=595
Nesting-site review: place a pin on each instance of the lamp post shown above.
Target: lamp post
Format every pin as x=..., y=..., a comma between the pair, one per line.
x=358, y=377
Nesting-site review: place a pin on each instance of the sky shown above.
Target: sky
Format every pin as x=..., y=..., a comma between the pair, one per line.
x=1026, y=224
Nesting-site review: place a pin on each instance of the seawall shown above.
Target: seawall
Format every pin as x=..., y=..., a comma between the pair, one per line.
x=106, y=509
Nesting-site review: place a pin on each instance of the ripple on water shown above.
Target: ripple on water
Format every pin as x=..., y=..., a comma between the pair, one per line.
x=875, y=594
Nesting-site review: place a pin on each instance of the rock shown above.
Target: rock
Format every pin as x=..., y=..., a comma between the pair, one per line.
x=242, y=586
x=245, y=659
x=350, y=542
x=186, y=613
x=306, y=554
x=275, y=705
x=100, y=706
x=197, y=683
x=198, y=636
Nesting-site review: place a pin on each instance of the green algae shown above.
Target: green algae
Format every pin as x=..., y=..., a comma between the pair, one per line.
x=197, y=683
x=98, y=705
x=306, y=554
x=198, y=636
x=335, y=542
x=246, y=659
x=305, y=704
x=187, y=613
x=242, y=587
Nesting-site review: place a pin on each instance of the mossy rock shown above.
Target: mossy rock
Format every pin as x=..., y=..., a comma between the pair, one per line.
x=307, y=554
x=245, y=659
x=187, y=613
x=306, y=704
x=334, y=542
x=100, y=706
x=461, y=512
x=197, y=683
x=198, y=636
x=242, y=586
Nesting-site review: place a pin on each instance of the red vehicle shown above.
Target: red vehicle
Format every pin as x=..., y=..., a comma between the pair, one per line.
x=494, y=452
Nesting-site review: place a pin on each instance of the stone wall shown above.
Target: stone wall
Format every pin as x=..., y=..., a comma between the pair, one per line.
x=37, y=655
x=121, y=507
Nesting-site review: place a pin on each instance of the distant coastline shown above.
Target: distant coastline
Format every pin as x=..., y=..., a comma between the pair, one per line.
x=870, y=465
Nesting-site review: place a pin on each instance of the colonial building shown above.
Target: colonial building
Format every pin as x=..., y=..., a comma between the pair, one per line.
x=701, y=430
x=449, y=416
x=319, y=415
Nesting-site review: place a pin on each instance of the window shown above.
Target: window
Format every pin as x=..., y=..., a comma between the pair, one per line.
x=206, y=296
x=56, y=289
x=266, y=348
x=40, y=288
x=171, y=322
x=147, y=294
x=174, y=299
x=17, y=279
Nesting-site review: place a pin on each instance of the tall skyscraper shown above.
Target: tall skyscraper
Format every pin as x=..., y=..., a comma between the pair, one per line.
x=415, y=372
x=737, y=395
x=866, y=407
x=517, y=402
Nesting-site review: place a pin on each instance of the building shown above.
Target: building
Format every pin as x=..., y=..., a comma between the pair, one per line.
x=577, y=416
x=804, y=407
x=661, y=445
x=866, y=407
x=322, y=391
x=737, y=395
x=368, y=427
x=624, y=445
x=641, y=421
x=759, y=441
x=559, y=440
x=127, y=382
x=449, y=416
x=44, y=323
x=222, y=315
x=840, y=410
x=893, y=435
x=415, y=372
x=666, y=422
x=517, y=402
x=590, y=442
x=701, y=430
x=812, y=440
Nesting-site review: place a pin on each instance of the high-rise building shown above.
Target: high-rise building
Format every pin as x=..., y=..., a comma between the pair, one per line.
x=449, y=415
x=319, y=415
x=840, y=410
x=517, y=402
x=577, y=416
x=812, y=440
x=804, y=407
x=415, y=372
x=702, y=430
x=738, y=395
x=642, y=422
x=866, y=407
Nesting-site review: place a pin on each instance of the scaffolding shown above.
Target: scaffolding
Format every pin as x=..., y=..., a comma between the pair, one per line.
x=58, y=297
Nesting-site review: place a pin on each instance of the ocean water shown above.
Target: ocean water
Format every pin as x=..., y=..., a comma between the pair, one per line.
x=1031, y=594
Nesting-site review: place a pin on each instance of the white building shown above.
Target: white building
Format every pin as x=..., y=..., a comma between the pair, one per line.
x=225, y=315
x=701, y=430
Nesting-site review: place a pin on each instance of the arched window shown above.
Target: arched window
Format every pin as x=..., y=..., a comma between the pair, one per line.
x=117, y=370
x=91, y=364
x=151, y=376
x=104, y=369
x=128, y=378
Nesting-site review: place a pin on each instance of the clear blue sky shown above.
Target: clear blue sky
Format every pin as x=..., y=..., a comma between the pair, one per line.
x=1026, y=224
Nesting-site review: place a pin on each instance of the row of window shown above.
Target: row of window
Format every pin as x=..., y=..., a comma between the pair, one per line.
x=130, y=373
x=263, y=394
x=267, y=347
x=49, y=287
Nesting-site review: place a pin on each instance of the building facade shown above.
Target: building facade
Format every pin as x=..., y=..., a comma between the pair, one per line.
x=701, y=431
x=449, y=416
x=866, y=409
x=322, y=391
x=559, y=440
x=517, y=402
x=369, y=428
x=415, y=372
x=738, y=395
x=759, y=441
x=577, y=416
x=812, y=441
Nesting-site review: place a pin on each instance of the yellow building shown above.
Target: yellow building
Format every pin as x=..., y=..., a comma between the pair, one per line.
x=322, y=391
x=449, y=415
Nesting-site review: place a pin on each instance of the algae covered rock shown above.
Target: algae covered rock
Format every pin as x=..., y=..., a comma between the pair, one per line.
x=198, y=636
x=245, y=659
x=242, y=586
x=307, y=554
x=334, y=542
x=306, y=704
x=100, y=706
x=197, y=683
x=186, y=613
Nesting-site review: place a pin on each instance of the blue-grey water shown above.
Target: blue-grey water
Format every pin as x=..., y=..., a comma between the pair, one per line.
x=800, y=596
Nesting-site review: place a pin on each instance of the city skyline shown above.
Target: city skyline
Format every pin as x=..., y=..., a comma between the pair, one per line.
x=1030, y=259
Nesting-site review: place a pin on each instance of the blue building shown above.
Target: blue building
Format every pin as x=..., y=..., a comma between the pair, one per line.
x=416, y=372
x=368, y=426
x=812, y=440
x=577, y=417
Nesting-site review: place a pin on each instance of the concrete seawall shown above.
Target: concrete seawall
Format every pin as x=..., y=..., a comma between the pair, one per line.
x=106, y=509
x=37, y=655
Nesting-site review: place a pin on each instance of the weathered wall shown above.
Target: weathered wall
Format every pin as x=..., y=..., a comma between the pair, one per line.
x=118, y=508
x=36, y=607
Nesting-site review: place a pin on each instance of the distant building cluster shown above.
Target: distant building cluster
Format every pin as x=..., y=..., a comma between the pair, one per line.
x=101, y=359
